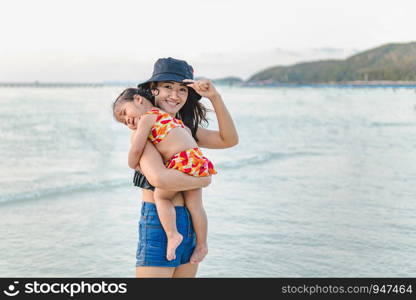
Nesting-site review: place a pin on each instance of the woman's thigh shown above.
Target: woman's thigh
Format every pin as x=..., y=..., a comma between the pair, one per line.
x=183, y=271
x=186, y=271
x=154, y=272
x=152, y=241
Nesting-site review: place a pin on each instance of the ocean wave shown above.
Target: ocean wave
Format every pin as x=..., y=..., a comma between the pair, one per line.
x=262, y=158
x=97, y=185
x=380, y=124
x=57, y=191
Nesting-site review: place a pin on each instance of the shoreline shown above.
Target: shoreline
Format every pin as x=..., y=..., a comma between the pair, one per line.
x=356, y=83
x=50, y=84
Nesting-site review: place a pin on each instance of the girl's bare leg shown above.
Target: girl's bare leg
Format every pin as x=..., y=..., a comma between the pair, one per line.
x=193, y=201
x=167, y=216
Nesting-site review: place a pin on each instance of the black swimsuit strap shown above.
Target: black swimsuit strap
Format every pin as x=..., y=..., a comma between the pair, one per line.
x=141, y=181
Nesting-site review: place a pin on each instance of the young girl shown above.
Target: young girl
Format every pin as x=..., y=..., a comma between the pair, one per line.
x=179, y=150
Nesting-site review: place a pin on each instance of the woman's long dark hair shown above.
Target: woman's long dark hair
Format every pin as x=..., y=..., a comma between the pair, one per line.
x=192, y=114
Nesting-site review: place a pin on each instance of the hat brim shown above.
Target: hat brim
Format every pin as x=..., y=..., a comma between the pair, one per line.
x=193, y=95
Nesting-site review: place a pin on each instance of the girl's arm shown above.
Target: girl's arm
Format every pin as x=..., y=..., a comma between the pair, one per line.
x=227, y=135
x=151, y=165
x=139, y=139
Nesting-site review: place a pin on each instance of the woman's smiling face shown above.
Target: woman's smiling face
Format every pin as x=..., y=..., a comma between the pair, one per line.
x=171, y=97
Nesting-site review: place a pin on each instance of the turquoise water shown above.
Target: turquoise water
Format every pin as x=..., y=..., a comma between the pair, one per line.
x=320, y=185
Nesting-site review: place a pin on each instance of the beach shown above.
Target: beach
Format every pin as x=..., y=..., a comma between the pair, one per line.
x=320, y=185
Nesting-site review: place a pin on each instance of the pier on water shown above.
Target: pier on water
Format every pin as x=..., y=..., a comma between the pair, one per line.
x=51, y=84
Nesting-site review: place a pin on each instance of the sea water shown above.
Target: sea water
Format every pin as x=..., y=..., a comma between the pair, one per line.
x=321, y=184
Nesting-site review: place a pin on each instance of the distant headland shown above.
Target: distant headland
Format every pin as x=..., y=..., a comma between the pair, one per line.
x=391, y=64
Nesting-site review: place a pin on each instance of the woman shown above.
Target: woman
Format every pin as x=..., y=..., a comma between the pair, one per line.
x=180, y=97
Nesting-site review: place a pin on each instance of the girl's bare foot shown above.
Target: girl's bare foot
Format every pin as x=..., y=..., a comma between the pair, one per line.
x=174, y=240
x=199, y=253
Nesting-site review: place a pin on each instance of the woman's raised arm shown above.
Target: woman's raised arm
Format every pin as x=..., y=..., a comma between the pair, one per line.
x=227, y=135
x=151, y=165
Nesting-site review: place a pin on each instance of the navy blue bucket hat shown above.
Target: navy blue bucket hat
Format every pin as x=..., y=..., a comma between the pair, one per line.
x=171, y=69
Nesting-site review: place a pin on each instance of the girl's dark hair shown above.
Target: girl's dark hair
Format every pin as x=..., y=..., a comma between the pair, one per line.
x=192, y=114
x=128, y=95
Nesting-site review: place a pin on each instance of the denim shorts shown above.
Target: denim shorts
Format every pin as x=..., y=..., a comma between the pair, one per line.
x=151, y=248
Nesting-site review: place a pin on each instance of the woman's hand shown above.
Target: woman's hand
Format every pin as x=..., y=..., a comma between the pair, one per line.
x=204, y=87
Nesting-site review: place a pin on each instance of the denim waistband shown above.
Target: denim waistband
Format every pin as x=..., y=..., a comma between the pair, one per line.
x=149, y=209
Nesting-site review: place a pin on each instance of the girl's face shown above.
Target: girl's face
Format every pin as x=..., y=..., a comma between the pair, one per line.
x=129, y=113
x=172, y=96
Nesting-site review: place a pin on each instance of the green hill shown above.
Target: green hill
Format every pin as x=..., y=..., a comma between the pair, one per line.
x=393, y=62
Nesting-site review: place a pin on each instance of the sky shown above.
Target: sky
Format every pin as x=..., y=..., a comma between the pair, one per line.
x=94, y=41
